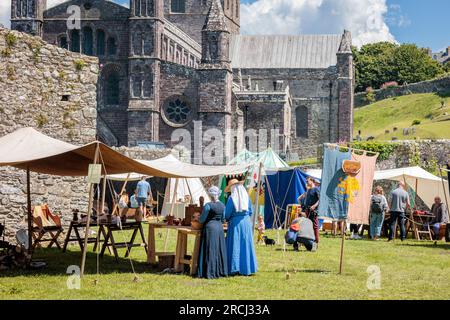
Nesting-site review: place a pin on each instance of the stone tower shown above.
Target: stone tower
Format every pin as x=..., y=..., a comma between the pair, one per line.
x=216, y=78
x=345, y=88
x=28, y=16
x=146, y=27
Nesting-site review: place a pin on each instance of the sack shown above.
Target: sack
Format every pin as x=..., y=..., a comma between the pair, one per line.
x=376, y=205
x=291, y=236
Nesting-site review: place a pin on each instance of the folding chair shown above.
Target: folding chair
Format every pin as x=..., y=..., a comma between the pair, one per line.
x=45, y=223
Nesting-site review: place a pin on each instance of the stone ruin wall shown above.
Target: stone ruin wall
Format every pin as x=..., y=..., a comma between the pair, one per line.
x=54, y=91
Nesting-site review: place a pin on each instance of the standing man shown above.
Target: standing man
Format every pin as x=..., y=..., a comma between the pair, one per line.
x=399, y=204
x=310, y=205
x=144, y=191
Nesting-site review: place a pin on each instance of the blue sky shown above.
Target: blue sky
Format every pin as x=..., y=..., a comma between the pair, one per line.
x=424, y=22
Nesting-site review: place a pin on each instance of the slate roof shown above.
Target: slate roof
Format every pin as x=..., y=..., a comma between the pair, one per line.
x=280, y=51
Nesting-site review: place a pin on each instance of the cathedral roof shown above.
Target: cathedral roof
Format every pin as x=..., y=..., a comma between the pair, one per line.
x=284, y=52
x=215, y=21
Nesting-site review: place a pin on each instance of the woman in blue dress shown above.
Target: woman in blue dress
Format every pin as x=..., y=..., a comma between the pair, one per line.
x=240, y=246
x=212, y=261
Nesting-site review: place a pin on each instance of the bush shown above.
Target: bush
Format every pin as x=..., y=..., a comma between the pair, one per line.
x=416, y=122
x=385, y=149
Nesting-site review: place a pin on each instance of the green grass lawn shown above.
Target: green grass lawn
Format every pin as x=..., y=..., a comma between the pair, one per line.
x=410, y=270
x=375, y=119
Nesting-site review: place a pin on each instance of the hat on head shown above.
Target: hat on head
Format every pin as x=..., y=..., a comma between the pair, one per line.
x=231, y=183
x=214, y=191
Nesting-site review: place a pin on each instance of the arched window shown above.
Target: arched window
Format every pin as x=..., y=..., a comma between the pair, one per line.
x=88, y=41
x=137, y=8
x=137, y=41
x=136, y=82
x=63, y=42
x=112, y=46
x=301, y=121
x=178, y=6
x=148, y=44
x=148, y=82
x=101, y=42
x=112, y=87
x=75, y=40
x=144, y=8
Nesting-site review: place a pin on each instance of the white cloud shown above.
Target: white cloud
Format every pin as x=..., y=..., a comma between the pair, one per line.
x=365, y=19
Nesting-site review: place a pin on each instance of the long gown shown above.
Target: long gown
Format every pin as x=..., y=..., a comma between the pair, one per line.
x=241, y=254
x=212, y=262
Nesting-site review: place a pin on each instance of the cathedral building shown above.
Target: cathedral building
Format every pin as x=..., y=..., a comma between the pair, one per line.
x=172, y=64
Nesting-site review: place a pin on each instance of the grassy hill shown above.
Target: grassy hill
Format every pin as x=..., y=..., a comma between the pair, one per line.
x=400, y=112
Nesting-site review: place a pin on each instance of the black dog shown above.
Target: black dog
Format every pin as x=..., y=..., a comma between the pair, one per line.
x=268, y=242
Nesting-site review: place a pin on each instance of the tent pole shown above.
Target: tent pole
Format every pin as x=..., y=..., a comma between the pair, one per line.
x=443, y=187
x=189, y=189
x=91, y=196
x=29, y=214
x=258, y=190
x=116, y=205
x=341, y=263
x=172, y=207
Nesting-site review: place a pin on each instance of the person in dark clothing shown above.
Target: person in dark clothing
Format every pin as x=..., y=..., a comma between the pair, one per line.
x=212, y=261
x=310, y=203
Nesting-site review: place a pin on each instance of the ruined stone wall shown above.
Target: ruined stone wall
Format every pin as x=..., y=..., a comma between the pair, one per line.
x=54, y=91
x=441, y=85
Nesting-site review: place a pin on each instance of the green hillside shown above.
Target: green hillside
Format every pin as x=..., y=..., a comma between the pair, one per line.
x=400, y=112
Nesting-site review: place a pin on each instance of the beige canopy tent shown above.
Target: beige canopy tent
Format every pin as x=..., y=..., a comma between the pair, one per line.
x=31, y=150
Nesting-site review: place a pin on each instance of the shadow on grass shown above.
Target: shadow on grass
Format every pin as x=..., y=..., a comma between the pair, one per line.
x=429, y=245
x=58, y=262
x=319, y=271
x=443, y=94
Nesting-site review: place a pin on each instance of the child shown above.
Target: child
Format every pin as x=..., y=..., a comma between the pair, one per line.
x=261, y=229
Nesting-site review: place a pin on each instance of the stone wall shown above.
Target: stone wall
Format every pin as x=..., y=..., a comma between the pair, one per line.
x=424, y=153
x=54, y=91
x=441, y=85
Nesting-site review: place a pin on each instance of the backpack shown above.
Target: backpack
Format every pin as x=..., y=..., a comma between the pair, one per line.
x=376, y=205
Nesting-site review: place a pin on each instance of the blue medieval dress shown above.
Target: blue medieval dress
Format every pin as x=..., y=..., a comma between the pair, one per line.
x=241, y=254
x=212, y=262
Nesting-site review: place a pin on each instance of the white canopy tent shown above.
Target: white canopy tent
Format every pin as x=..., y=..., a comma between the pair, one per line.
x=426, y=185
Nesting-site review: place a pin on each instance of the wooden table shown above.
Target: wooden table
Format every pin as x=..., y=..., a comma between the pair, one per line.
x=74, y=226
x=110, y=228
x=181, y=248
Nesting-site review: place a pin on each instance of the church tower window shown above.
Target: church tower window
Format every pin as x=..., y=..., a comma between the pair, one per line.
x=178, y=6
x=136, y=82
x=301, y=121
x=101, y=39
x=112, y=88
x=148, y=82
x=88, y=39
x=137, y=41
x=112, y=46
x=75, y=40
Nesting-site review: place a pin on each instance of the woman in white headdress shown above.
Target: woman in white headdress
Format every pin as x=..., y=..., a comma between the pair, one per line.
x=241, y=254
x=212, y=262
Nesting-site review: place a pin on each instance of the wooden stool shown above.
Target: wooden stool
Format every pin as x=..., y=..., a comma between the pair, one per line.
x=181, y=250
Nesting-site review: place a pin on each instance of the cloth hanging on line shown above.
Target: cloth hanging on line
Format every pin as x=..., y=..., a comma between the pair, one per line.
x=335, y=191
x=359, y=207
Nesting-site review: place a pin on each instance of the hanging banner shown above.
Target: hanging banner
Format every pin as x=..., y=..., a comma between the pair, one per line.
x=335, y=190
x=361, y=188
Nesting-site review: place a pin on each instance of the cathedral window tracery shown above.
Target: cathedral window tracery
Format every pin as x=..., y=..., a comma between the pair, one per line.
x=301, y=121
x=177, y=111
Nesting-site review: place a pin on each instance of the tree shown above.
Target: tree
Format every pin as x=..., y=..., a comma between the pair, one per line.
x=382, y=62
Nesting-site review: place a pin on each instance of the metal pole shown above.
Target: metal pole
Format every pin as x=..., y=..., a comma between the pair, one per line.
x=29, y=214
x=86, y=233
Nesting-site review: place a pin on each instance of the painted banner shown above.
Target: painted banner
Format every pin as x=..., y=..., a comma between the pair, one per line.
x=359, y=204
x=334, y=190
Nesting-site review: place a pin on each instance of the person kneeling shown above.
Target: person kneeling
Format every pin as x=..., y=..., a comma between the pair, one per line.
x=305, y=233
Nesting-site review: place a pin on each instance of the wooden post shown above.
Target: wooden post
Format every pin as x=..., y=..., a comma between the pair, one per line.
x=116, y=205
x=29, y=214
x=189, y=189
x=258, y=190
x=172, y=207
x=86, y=233
x=443, y=187
x=341, y=263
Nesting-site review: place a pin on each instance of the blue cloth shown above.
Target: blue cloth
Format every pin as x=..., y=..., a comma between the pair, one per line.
x=143, y=189
x=133, y=202
x=212, y=261
x=333, y=204
x=241, y=254
x=285, y=187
